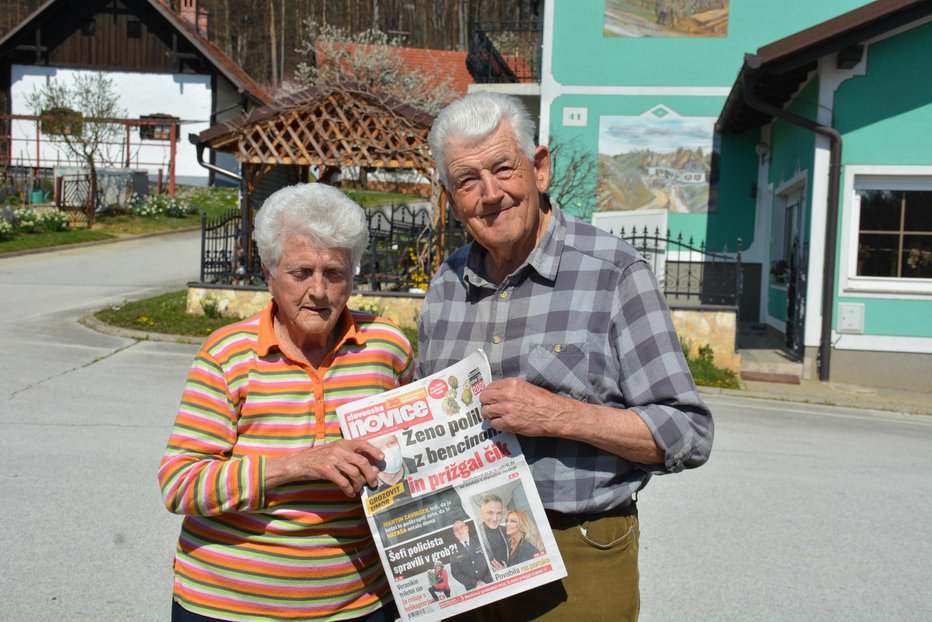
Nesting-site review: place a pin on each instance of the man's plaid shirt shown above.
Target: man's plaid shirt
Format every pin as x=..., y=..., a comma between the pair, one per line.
x=582, y=317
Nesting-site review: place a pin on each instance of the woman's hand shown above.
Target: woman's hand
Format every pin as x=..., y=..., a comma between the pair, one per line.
x=348, y=464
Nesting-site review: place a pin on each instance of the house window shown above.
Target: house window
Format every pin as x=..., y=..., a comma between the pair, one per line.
x=61, y=122
x=160, y=130
x=895, y=234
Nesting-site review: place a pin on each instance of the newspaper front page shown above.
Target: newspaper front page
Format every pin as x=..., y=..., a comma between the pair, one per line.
x=456, y=516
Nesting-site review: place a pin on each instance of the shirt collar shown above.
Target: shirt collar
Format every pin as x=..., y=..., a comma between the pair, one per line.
x=268, y=341
x=544, y=259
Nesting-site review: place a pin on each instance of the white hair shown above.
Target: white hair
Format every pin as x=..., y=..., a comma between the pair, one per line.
x=321, y=212
x=477, y=116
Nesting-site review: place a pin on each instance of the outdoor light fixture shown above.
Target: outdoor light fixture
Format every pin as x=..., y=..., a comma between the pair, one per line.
x=763, y=150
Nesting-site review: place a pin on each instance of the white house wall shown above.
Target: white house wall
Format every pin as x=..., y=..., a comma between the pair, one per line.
x=186, y=96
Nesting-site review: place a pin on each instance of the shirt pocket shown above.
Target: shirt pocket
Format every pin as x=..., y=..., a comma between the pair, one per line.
x=561, y=368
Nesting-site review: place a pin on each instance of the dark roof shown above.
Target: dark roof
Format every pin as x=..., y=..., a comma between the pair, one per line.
x=225, y=131
x=778, y=69
x=213, y=54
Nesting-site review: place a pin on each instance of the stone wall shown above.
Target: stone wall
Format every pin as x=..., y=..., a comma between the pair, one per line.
x=700, y=326
x=243, y=302
x=709, y=326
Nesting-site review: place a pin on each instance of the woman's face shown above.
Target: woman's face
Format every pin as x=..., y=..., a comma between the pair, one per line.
x=511, y=525
x=311, y=286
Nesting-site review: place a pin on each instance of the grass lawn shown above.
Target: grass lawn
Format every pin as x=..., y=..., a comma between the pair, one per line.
x=31, y=241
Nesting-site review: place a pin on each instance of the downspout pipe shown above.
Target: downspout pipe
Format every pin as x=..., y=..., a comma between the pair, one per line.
x=211, y=167
x=752, y=73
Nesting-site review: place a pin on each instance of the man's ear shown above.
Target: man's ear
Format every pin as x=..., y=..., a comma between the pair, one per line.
x=449, y=198
x=542, y=163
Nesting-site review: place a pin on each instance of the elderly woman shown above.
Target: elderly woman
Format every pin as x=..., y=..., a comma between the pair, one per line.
x=273, y=527
x=522, y=536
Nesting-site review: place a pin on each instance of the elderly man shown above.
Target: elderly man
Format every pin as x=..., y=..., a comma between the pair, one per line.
x=273, y=527
x=587, y=367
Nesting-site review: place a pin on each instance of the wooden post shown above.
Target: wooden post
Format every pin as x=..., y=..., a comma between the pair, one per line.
x=171, y=160
x=127, y=144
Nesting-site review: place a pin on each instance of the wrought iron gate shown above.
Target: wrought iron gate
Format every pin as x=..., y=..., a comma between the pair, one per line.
x=793, y=342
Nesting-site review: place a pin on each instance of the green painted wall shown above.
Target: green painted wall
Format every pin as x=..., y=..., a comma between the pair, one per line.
x=583, y=55
x=895, y=318
x=793, y=148
x=885, y=118
x=893, y=127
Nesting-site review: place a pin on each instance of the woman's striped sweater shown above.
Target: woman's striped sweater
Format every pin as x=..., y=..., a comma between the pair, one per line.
x=301, y=551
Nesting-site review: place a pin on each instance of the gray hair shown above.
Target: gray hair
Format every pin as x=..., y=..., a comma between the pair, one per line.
x=321, y=212
x=477, y=116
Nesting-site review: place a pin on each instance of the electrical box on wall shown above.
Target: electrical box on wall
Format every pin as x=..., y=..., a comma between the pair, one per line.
x=575, y=116
x=851, y=318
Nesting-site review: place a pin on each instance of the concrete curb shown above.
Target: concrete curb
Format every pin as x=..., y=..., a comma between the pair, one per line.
x=89, y=320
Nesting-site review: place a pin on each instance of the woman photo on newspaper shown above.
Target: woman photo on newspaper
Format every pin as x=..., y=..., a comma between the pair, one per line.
x=523, y=539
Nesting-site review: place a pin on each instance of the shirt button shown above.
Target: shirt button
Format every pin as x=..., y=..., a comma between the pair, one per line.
x=558, y=348
x=496, y=340
x=503, y=295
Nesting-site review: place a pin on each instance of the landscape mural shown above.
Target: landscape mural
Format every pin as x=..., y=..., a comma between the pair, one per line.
x=658, y=160
x=666, y=18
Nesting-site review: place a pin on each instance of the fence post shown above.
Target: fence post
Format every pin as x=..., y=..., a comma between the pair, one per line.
x=203, y=244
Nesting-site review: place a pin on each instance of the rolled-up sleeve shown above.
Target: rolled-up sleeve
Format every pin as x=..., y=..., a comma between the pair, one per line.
x=655, y=378
x=198, y=474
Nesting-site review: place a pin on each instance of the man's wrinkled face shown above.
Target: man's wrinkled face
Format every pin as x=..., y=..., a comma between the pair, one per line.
x=492, y=513
x=495, y=189
x=311, y=287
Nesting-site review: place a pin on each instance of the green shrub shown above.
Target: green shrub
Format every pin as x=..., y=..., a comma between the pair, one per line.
x=703, y=368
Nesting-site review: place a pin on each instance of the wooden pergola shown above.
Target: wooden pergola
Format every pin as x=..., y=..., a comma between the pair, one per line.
x=325, y=128
x=319, y=130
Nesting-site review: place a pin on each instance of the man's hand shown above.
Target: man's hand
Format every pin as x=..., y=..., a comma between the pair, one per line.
x=348, y=464
x=497, y=565
x=514, y=405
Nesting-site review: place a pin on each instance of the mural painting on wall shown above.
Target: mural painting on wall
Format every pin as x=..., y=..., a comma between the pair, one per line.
x=666, y=18
x=658, y=160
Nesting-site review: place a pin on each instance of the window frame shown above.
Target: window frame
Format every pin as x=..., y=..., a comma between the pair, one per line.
x=863, y=177
x=148, y=132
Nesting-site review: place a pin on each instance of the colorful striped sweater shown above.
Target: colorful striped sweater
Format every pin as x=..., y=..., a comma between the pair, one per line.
x=300, y=551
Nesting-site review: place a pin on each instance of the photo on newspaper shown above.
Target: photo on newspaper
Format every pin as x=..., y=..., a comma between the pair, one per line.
x=456, y=516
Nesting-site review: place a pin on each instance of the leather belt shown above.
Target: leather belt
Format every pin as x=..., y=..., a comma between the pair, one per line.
x=560, y=520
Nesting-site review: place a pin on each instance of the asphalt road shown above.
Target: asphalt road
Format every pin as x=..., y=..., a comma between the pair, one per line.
x=803, y=512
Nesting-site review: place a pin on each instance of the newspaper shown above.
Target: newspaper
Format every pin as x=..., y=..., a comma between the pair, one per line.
x=456, y=516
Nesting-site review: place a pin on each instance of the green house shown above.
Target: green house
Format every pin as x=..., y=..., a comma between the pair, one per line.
x=797, y=127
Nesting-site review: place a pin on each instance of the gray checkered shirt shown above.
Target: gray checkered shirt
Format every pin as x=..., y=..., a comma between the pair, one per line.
x=583, y=317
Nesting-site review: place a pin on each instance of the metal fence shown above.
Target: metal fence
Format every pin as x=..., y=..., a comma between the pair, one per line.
x=691, y=274
x=404, y=250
